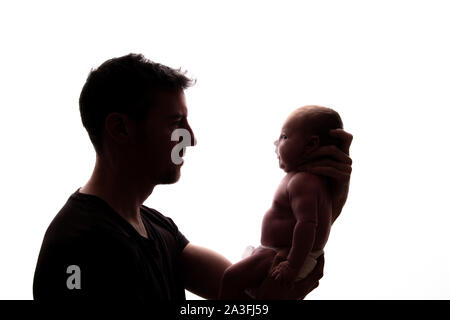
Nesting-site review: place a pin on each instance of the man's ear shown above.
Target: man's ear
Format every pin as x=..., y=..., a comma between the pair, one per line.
x=313, y=144
x=118, y=127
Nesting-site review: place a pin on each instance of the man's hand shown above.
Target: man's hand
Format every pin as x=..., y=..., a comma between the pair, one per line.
x=335, y=163
x=272, y=290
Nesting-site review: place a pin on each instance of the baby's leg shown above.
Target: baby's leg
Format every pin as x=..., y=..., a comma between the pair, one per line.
x=247, y=273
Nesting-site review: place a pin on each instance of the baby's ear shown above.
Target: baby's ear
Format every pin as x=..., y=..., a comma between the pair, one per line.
x=313, y=144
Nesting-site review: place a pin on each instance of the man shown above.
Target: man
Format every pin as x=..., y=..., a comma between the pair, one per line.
x=104, y=244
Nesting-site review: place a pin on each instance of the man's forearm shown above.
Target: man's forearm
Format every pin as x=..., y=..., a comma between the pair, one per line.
x=203, y=271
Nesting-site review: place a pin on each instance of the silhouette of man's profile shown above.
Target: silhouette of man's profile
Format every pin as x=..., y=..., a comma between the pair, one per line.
x=104, y=243
x=129, y=106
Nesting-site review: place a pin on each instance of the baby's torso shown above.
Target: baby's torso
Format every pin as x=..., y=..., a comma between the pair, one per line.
x=279, y=221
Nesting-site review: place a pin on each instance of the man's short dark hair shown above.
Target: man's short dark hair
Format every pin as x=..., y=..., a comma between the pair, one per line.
x=127, y=85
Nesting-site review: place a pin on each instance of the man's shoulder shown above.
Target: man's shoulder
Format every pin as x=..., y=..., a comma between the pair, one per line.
x=78, y=222
x=156, y=217
x=165, y=226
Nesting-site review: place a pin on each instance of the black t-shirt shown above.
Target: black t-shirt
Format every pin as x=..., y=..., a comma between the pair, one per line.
x=112, y=260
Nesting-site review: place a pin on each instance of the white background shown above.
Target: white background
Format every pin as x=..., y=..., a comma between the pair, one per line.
x=383, y=65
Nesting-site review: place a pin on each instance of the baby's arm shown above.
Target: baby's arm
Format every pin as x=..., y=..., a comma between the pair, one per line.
x=303, y=189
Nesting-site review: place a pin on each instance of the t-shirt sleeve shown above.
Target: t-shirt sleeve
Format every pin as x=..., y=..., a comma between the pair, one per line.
x=181, y=240
x=169, y=225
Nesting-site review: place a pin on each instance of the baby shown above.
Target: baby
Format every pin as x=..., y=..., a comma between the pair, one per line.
x=296, y=227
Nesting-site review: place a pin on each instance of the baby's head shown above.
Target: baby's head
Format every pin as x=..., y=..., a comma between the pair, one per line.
x=306, y=129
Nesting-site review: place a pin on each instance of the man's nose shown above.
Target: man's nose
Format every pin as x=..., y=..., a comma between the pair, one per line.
x=193, y=139
x=275, y=143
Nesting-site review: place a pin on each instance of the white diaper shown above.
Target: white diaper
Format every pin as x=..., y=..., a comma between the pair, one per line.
x=307, y=267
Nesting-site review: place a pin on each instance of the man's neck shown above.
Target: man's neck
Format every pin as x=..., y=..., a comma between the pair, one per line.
x=115, y=187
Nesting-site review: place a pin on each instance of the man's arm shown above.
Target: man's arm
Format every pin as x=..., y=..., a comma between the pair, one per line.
x=203, y=270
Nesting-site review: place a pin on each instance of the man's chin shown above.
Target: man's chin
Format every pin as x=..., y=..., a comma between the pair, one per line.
x=171, y=177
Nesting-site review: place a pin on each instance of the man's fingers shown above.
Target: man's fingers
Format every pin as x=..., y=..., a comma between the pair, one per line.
x=277, y=259
x=329, y=163
x=330, y=151
x=330, y=172
x=341, y=134
x=275, y=273
x=345, y=137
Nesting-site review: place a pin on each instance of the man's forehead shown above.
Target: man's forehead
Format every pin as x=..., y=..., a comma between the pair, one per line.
x=170, y=103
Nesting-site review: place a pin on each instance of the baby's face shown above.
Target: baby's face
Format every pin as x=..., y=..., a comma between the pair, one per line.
x=291, y=144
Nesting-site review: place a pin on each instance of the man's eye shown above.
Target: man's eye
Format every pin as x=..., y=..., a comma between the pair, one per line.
x=283, y=136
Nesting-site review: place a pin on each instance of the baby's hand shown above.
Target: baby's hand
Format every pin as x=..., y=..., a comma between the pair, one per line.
x=284, y=273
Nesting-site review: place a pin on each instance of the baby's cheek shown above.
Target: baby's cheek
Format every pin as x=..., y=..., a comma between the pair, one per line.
x=285, y=153
x=281, y=152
